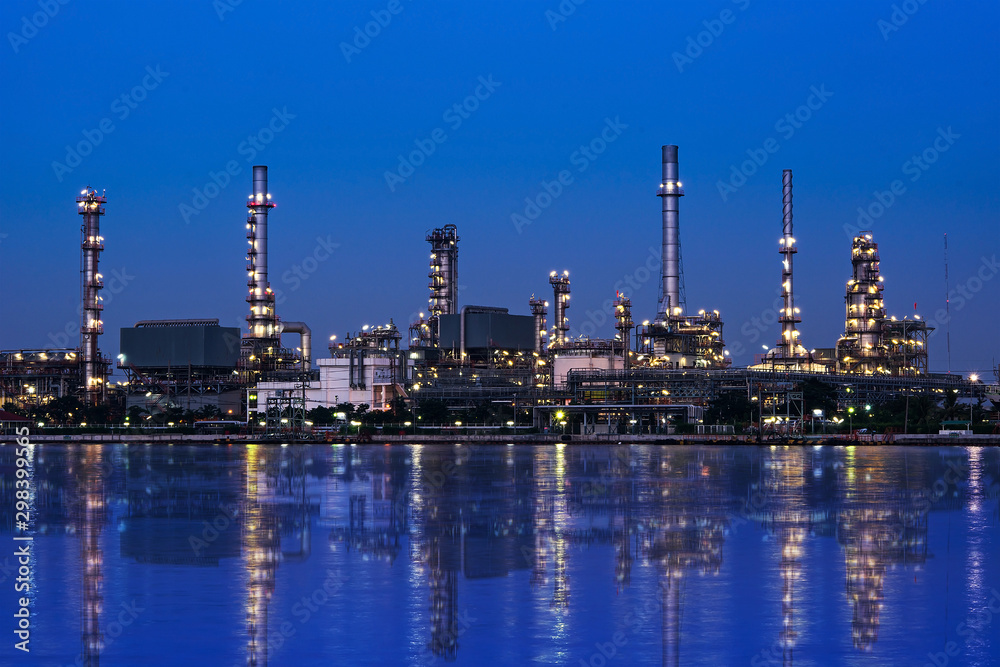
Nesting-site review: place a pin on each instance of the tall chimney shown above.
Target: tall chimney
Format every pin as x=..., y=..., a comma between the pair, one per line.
x=670, y=192
x=262, y=319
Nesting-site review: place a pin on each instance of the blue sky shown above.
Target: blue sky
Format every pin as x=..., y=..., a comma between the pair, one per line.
x=190, y=88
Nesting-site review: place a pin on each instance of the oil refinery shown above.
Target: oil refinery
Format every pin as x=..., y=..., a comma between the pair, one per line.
x=647, y=378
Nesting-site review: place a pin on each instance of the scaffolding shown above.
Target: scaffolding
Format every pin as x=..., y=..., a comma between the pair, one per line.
x=95, y=367
x=905, y=341
x=560, y=297
x=443, y=276
x=862, y=348
x=684, y=341
x=34, y=377
x=286, y=413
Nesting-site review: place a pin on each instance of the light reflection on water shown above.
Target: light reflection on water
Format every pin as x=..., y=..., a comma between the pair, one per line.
x=257, y=555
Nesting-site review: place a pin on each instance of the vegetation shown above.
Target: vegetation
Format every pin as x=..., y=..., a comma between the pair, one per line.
x=731, y=407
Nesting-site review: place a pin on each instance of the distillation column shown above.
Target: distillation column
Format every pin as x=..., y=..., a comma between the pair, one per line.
x=788, y=345
x=91, y=207
x=624, y=325
x=539, y=309
x=443, y=274
x=862, y=349
x=670, y=192
x=262, y=319
x=560, y=293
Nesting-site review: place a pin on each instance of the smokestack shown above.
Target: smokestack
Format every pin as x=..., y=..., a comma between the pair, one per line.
x=788, y=344
x=670, y=192
x=262, y=319
x=91, y=207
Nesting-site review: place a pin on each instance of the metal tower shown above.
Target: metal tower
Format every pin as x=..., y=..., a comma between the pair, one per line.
x=95, y=368
x=560, y=290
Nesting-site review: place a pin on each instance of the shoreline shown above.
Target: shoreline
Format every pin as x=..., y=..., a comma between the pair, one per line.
x=897, y=439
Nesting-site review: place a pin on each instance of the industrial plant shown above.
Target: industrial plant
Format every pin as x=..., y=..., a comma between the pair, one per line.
x=529, y=371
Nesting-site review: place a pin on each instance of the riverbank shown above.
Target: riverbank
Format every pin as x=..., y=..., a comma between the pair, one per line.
x=533, y=439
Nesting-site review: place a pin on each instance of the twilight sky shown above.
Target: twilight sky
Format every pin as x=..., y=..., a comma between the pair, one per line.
x=156, y=103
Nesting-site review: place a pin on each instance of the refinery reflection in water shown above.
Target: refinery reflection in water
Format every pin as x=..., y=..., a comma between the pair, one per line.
x=466, y=553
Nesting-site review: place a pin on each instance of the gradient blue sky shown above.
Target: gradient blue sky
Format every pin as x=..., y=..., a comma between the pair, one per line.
x=892, y=91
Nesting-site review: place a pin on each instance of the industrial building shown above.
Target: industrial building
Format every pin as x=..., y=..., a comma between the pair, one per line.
x=676, y=339
x=367, y=368
x=522, y=366
x=678, y=362
x=181, y=363
x=873, y=343
x=789, y=354
x=262, y=356
x=37, y=376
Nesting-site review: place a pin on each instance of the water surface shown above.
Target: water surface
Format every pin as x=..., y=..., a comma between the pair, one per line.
x=547, y=555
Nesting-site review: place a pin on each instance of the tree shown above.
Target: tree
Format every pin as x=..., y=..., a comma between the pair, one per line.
x=729, y=407
x=11, y=407
x=208, y=412
x=320, y=415
x=137, y=414
x=97, y=414
x=398, y=410
x=433, y=411
x=61, y=409
x=482, y=413
x=924, y=413
x=951, y=409
x=818, y=395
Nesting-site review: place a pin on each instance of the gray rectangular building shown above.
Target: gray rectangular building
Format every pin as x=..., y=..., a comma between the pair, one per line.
x=181, y=343
x=489, y=330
